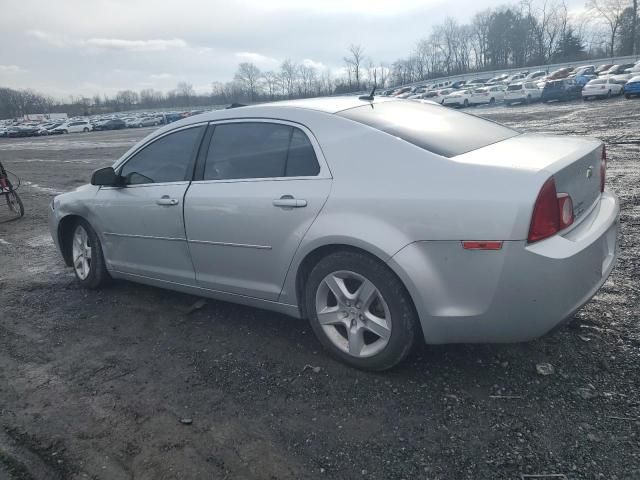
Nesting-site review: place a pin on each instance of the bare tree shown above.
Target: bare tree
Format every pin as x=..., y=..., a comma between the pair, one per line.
x=271, y=82
x=289, y=74
x=354, y=62
x=610, y=13
x=248, y=75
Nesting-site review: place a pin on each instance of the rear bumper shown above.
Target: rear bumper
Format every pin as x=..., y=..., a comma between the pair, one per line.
x=515, y=294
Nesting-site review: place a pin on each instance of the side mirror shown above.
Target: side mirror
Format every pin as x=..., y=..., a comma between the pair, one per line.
x=106, y=177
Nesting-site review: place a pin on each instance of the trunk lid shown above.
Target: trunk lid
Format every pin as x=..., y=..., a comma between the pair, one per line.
x=573, y=161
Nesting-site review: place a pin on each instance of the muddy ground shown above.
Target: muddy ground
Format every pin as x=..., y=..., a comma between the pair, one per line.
x=95, y=384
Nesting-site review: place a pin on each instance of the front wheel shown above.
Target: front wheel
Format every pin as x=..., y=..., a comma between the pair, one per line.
x=627, y=96
x=85, y=130
x=466, y=103
x=360, y=311
x=87, y=258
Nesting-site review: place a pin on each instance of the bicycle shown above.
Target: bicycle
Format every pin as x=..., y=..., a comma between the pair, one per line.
x=14, y=202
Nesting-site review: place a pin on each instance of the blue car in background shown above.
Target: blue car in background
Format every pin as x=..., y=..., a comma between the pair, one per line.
x=632, y=87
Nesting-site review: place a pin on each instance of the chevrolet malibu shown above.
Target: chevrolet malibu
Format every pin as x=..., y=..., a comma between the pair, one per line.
x=379, y=220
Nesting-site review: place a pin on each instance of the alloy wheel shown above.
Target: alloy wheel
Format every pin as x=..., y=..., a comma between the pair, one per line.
x=81, y=251
x=353, y=314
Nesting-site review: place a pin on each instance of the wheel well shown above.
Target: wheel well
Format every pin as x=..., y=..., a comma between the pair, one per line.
x=318, y=254
x=65, y=230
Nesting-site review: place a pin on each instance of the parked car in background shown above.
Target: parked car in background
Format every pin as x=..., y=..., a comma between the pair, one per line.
x=112, y=124
x=458, y=98
x=634, y=70
x=632, y=87
x=459, y=84
x=522, y=92
x=437, y=96
x=73, y=127
x=603, y=68
x=487, y=95
x=561, y=90
x=601, y=88
x=498, y=79
x=618, y=69
x=477, y=82
x=621, y=78
x=400, y=91
x=479, y=233
x=536, y=75
x=560, y=73
x=144, y=122
x=514, y=78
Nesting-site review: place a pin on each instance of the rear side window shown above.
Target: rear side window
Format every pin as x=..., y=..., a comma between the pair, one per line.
x=165, y=160
x=513, y=87
x=259, y=150
x=436, y=129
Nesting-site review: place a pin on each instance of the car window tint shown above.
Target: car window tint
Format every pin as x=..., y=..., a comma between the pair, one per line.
x=434, y=128
x=301, y=161
x=247, y=150
x=165, y=160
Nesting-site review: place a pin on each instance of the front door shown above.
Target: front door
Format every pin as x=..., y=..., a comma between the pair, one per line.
x=260, y=189
x=142, y=223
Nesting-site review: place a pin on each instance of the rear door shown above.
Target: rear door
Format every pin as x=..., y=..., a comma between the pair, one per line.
x=258, y=189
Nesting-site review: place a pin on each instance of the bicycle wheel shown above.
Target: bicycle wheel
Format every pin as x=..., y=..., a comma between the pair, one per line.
x=14, y=202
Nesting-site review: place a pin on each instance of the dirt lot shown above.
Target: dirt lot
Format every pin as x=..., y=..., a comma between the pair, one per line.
x=95, y=384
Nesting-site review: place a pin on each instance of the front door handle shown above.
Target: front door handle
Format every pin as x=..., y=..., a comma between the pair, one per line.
x=287, y=201
x=166, y=200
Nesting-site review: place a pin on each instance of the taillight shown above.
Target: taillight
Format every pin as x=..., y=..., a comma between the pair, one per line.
x=565, y=207
x=552, y=212
x=603, y=168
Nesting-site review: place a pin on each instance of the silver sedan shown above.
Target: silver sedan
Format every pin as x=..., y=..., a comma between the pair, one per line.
x=380, y=221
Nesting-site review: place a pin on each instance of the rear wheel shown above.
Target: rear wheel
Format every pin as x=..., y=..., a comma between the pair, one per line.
x=492, y=101
x=85, y=130
x=528, y=99
x=466, y=103
x=360, y=311
x=609, y=94
x=87, y=258
x=14, y=202
x=627, y=96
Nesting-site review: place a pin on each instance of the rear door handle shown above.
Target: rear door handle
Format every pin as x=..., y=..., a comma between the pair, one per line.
x=166, y=200
x=288, y=201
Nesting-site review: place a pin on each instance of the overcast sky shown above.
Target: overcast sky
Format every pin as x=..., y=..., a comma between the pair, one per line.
x=63, y=47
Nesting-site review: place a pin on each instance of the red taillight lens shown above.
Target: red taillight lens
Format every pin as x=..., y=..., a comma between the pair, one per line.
x=603, y=168
x=546, y=217
x=482, y=245
x=552, y=212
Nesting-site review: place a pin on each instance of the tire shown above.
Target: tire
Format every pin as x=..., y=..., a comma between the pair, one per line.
x=609, y=94
x=492, y=101
x=94, y=274
x=507, y=104
x=15, y=205
x=85, y=130
x=627, y=96
x=528, y=99
x=65, y=131
x=350, y=327
x=466, y=103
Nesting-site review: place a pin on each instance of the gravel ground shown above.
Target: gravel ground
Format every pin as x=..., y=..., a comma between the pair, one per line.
x=128, y=383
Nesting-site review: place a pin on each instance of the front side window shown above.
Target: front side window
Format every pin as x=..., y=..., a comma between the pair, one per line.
x=165, y=160
x=259, y=150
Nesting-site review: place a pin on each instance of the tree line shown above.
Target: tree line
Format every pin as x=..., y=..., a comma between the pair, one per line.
x=533, y=32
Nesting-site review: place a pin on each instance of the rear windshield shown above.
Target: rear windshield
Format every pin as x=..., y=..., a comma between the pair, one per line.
x=437, y=129
x=517, y=86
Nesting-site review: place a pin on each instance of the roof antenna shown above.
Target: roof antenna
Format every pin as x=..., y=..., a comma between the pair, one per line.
x=370, y=96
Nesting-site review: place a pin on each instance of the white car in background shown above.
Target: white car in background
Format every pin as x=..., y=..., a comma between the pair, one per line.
x=487, y=95
x=522, y=92
x=437, y=96
x=74, y=126
x=601, y=88
x=458, y=98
